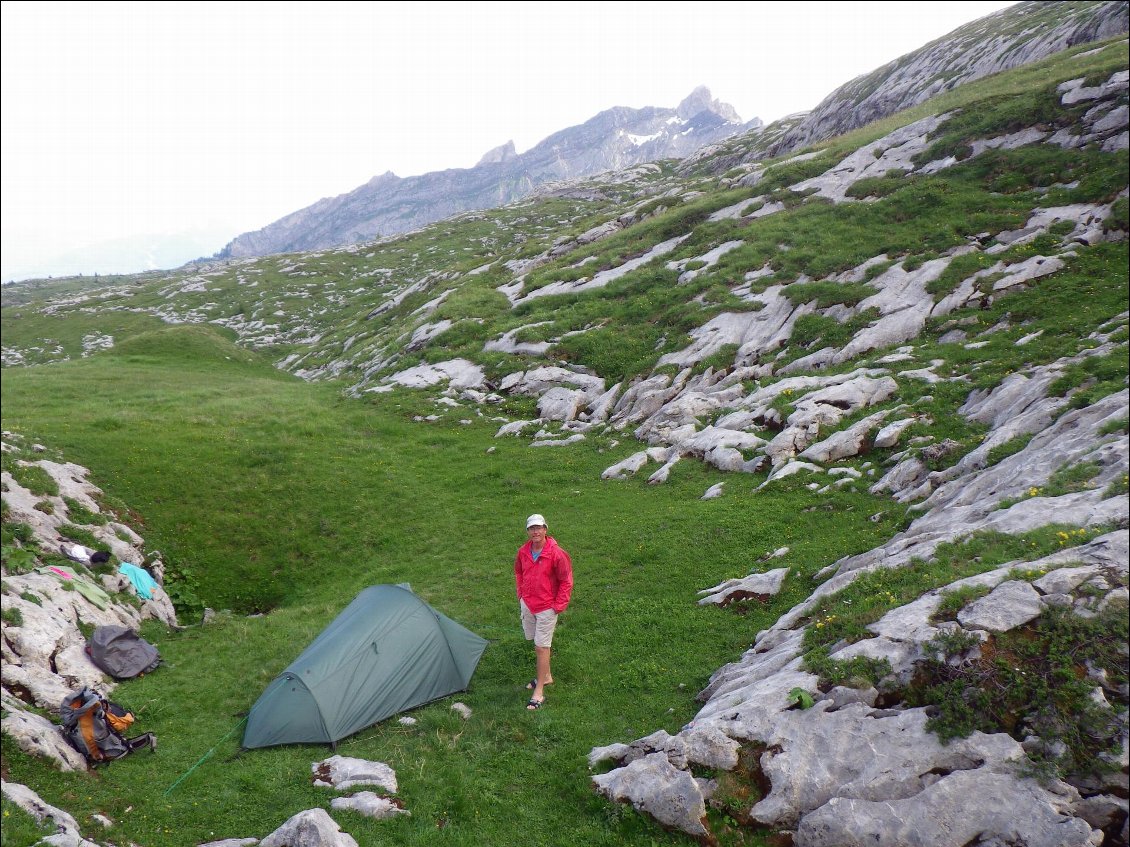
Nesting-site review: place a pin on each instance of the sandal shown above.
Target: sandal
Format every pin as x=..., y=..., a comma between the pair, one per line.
x=533, y=683
x=534, y=705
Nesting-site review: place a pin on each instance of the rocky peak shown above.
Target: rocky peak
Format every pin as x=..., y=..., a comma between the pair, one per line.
x=387, y=178
x=502, y=153
x=700, y=100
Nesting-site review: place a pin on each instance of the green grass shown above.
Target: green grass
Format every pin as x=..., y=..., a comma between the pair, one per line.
x=956, y=599
x=279, y=496
x=21, y=829
x=825, y=294
x=32, y=477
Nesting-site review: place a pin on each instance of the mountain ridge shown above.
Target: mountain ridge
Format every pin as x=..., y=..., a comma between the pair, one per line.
x=388, y=204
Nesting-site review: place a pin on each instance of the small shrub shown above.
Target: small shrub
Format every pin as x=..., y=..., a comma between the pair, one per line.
x=12, y=616
x=45, y=506
x=957, y=271
x=32, y=597
x=18, y=560
x=801, y=698
x=815, y=330
x=182, y=587
x=856, y=672
x=1032, y=680
x=13, y=532
x=1119, y=218
x=790, y=173
x=878, y=186
x=721, y=360
x=1092, y=379
x=913, y=263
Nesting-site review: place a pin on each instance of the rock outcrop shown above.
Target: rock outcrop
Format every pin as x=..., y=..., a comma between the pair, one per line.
x=846, y=772
x=47, y=597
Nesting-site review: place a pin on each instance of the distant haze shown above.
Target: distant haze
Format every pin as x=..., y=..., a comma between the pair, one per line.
x=145, y=135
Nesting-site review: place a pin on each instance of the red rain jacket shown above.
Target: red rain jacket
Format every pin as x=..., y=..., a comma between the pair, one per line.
x=546, y=583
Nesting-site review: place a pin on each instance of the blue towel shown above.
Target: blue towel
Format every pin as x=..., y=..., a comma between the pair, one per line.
x=143, y=583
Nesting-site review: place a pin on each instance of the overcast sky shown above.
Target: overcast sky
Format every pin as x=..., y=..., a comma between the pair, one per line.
x=122, y=119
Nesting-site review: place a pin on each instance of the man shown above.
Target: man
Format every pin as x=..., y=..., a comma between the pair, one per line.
x=543, y=573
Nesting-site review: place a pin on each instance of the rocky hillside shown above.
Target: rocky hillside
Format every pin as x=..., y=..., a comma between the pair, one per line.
x=388, y=204
x=932, y=308
x=1016, y=36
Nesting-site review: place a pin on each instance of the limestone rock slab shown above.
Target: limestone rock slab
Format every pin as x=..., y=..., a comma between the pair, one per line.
x=655, y=786
x=369, y=804
x=1009, y=605
x=344, y=773
x=963, y=807
x=311, y=828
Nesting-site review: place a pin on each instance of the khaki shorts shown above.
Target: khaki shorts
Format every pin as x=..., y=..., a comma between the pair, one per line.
x=538, y=628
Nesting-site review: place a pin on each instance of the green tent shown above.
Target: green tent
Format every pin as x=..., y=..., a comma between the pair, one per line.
x=386, y=652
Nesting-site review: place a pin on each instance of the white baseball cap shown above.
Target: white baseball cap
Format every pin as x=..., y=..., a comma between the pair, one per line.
x=535, y=520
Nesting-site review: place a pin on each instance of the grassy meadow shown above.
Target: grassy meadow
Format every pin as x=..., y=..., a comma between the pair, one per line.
x=280, y=500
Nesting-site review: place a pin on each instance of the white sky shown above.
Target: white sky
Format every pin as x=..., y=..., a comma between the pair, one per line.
x=127, y=118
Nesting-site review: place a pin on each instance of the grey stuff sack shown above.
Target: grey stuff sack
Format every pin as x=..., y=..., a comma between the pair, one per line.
x=121, y=652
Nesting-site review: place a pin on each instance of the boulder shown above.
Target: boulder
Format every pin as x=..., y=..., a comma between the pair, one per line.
x=513, y=428
x=980, y=806
x=713, y=491
x=370, y=805
x=311, y=828
x=845, y=443
x=37, y=736
x=754, y=585
x=890, y=434
x=561, y=404
x=343, y=773
x=458, y=373
x=615, y=752
x=814, y=755
x=627, y=467
x=655, y=786
x=537, y=381
x=661, y=475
